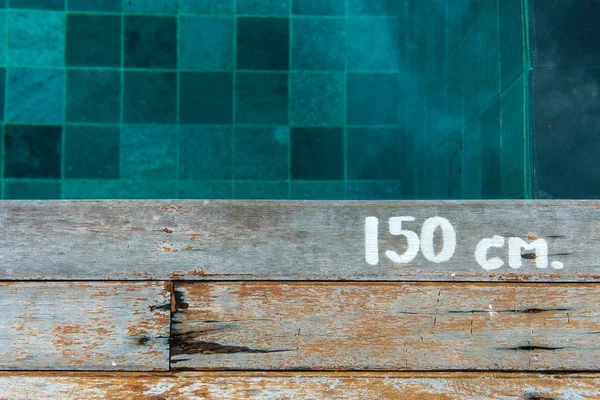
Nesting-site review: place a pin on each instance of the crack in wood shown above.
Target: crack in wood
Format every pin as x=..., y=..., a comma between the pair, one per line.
x=532, y=348
x=186, y=346
x=530, y=310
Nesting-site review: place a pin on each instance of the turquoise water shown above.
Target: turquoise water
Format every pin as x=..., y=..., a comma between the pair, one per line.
x=264, y=99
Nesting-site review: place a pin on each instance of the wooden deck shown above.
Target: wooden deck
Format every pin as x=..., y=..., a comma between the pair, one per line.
x=299, y=300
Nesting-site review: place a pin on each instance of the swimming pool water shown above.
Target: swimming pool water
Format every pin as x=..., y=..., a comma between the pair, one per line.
x=267, y=99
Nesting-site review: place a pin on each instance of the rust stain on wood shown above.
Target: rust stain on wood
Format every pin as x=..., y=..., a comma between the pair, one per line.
x=299, y=385
x=391, y=326
x=84, y=325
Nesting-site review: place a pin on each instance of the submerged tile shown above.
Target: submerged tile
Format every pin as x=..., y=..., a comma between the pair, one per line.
x=374, y=99
x=84, y=189
x=149, y=152
x=377, y=190
x=262, y=98
x=263, y=7
x=317, y=154
x=261, y=153
x=318, y=44
x=375, y=153
x=317, y=190
x=36, y=38
x=319, y=7
x=261, y=190
x=206, y=43
x=96, y=5
x=150, y=97
x=206, y=152
x=374, y=7
x=373, y=44
x=206, y=98
x=92, y=152
x=35, y=95
x=32, y=190
x=150, y=42
x=93, y=40
x=263, y=43
x=93, y=96
x=38, y=4
x=151, y=6
x=317, y=99
x=32, y=151
x=205, y=190
x=206, y=6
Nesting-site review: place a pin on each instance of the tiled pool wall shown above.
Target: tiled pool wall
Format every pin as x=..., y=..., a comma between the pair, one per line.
x=469, y=126
x=270, y=99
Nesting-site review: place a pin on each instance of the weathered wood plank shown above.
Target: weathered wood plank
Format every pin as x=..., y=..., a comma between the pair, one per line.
x=85, y=326
x=292, y=240
x=328, y=386
x=386, y=326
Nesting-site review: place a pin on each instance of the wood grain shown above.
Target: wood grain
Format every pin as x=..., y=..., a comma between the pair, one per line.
x=291, y=240
x=210, y=386
x=84, y=326
x=386, y=326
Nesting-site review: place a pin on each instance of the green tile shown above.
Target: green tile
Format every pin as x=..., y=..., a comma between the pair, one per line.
x=93, y=96
x=150, y=97
x=263, y=43
x=375, y=153
x=96, y=5
x=149, y=152
x=374, y=7
x=206, y=43
x=373, y=44
x=388, y=190
x=206, y=153
x=38, y=4
x=318, y=44
x=205, y=190
x=317, y=190
x=32, y=151
x=262, y=98
x=261, y=153
x=150, y=41
x=3, y=40
x=512, y=52
x=147, y=189
x=263, y=7
x=261, y=190
x=455, y=150
x=481, y=74
x=374, y=99
x=206, y=6
x=92, y=152
x=93, y=40
x=472, y=162
x=206, y=97
x=319, y=7
x=31, y=190
x=36, y=38
x=151, y=6
x=513, y=154
x=75, y=189
x=35, y=95
x=317, y=154
x=490, y=125
x=317, y=99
